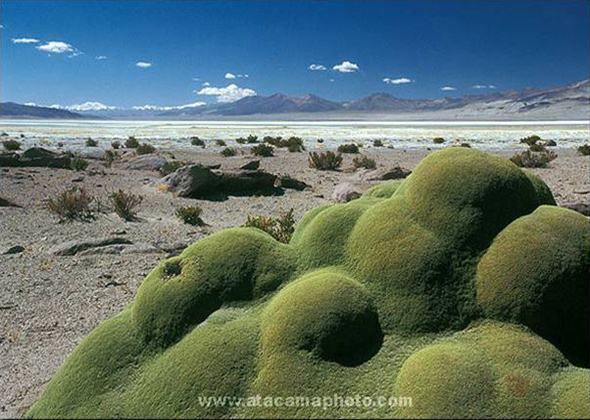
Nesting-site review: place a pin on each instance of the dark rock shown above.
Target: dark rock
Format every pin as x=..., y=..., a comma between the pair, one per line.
x=36, y=156
x=286, y=181
x=252, y=165
x=346, y=192
x=76, y=246
x=197, y=181
x=6, y=203
x=383, y=174
x=16, y=249
x=582, y=208
x=214, y=166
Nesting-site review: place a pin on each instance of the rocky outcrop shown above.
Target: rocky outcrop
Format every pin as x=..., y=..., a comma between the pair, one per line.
x=36, y=156
x=197, y=181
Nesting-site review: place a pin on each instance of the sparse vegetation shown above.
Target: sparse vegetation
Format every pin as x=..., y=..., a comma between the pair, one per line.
x=584, y=150
x=109, y=157
x=171, y=166
x=220, y=143
x=131, y=143
x=116, y=144
x=90, y=142
x=251, y=139
x=190, y=215
x=280, y=228
x=78, y=164
x=293, y=144
x=364, y=161
x=465, y=145
x=532, y=159
x=145, y=149
x=125, y=204
x=530, y=140
x=72, y=204
x=262, y=150
x=195, y=141
x=325, y=161
x=348, y=148
x=228, y=152
x=11, y=145
x=377, y=143
x=438, y=140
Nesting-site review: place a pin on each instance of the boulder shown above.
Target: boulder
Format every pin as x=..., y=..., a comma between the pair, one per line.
x=149, y=162
x=346, y=192
x=15, y=249
x=582, y=208
x=252, y=165
x=36, y=156
x=285, y=181
x=198, y=181
x=383, y=174
x=77, y=246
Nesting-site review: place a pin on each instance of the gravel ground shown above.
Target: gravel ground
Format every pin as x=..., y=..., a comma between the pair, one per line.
x=49, y=303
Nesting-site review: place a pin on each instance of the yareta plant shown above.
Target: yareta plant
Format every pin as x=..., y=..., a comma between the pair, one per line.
x=463, y=287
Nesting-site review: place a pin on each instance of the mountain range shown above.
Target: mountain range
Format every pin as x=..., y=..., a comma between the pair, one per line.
x=568, y=102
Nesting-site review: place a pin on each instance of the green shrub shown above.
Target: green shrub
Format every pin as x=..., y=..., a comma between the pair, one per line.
x=438, y=140
x=263, y=150
x=78, y=164
x=11, y=145
x=91, y=142
x=251, y=139
x=377, y=143
x=171, y=166
x=320, y=141
x=228, y=152
x=293, y=144
x=465, y=145
x=363, y=161
x=195, y=141
x=536, y=147
x=348, y=148
x=530, y=140
x=109, y=157
x=116, y=144
x=220, y=143
x=145, y=149
x=190, y=215
x=131, y=143
x=447, y=287
x=325, y=161
x=530, y=159
x=280, y=228
x=584, y=150
x=125, y=204
x=72, y=204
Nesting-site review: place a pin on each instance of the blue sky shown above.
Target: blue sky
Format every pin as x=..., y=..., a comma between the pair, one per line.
x=50, y=50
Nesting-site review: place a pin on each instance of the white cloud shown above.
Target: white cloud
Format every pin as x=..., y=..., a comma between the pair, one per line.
x=230, y=93
x=89, y=106
x=206, y=84
x=143, y=64
x=483, y=87
x=168, y=108
x=31, y=104
x=331, y=80
x=448, y=88
x=491, y=87
x=101, y=57
x=398, y=81
x=317, y=67
x=56, y=47
x=243, y=75
x=346, y=67
x=230, y=76
x=25, y=41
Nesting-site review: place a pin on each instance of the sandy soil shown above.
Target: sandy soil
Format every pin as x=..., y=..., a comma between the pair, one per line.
x=49, y=303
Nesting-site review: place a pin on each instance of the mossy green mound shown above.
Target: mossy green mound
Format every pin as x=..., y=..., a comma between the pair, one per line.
x=462, y=288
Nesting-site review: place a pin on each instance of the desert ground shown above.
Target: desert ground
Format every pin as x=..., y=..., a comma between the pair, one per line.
x=48, y=303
